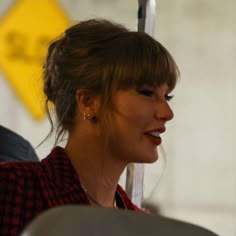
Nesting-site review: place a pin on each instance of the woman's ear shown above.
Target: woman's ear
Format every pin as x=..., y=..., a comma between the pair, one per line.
x=87, y=103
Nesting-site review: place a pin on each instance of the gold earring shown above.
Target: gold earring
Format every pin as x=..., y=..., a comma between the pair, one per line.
x=86, y=116
x=90, y=117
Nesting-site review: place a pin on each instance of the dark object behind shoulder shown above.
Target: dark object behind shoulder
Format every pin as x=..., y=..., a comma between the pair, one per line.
x=14, y=147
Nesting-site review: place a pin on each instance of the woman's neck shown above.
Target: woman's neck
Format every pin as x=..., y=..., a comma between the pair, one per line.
x=99, y=174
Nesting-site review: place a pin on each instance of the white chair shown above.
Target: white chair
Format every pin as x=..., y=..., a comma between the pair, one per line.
x=74, y=220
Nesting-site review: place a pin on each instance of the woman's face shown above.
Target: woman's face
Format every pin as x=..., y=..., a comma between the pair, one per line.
x=138, y=121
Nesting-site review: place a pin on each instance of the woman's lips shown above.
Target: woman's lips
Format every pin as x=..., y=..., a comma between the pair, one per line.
x=154, y=135
x=153, y=139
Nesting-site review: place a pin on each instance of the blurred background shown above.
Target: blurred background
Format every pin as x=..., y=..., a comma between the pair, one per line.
x=198, y=182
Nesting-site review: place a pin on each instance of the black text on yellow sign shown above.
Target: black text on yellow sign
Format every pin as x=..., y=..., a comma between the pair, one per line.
x=25, y=33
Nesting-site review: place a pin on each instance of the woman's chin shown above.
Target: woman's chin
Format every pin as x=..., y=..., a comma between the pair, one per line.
x=150, y=160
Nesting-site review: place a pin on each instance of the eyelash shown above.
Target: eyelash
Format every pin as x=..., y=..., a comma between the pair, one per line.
x=169, y=97
x=150, y=93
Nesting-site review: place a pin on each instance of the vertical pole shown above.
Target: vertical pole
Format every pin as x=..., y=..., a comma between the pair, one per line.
x=135, y=172
x=147, y=16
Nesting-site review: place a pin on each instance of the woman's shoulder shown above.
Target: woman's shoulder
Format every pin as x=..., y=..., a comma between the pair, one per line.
x=32, y=167
x=56, y=167
x=19, y=169
x=18, y=180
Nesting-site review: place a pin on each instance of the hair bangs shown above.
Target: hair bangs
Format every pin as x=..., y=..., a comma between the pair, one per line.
x=143, y=61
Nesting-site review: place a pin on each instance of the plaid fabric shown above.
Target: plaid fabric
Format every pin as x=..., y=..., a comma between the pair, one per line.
x=29, y=188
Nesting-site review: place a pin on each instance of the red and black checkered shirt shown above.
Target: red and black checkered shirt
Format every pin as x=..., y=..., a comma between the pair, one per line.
x=29, y=188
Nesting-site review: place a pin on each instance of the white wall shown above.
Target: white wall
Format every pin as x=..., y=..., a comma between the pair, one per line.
x=199, y=181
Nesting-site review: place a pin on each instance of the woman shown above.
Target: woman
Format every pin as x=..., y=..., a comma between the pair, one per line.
x=110, y=90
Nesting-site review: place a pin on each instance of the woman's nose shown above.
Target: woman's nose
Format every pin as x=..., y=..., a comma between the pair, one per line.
x=164, y=112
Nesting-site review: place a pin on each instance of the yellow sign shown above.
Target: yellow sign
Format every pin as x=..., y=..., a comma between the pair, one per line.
x=25, y=32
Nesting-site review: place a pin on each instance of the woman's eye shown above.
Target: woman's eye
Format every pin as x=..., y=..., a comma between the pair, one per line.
x=168, y=97
x=146, y=92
